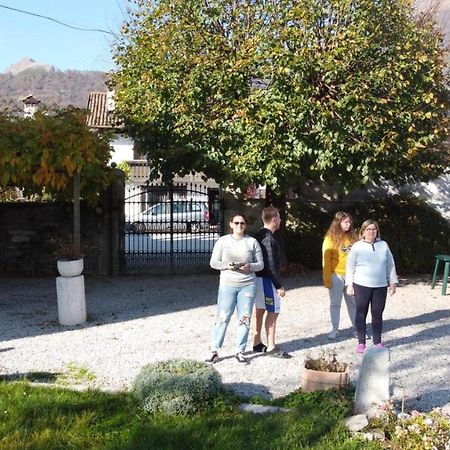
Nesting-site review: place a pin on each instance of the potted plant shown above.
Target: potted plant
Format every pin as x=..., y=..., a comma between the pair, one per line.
x=69, y=258
x=323, y=373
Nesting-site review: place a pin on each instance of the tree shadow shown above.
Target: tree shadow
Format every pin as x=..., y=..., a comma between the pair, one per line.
x=248, y=390
x=29, y=305
x=390, y=324
x=34, y=377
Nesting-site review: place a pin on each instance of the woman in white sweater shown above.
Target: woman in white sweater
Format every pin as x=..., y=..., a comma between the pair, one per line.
x=238, y=257
x=370, y=273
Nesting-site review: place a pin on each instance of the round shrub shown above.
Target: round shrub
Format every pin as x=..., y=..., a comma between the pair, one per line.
x=176, y=386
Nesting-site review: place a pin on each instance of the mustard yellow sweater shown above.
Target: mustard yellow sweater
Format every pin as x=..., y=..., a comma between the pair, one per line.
x=334, y=258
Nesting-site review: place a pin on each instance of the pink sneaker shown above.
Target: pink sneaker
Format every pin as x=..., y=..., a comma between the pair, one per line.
x=379, y=345
x=360, y=348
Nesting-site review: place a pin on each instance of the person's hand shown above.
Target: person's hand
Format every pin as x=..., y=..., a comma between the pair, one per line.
x=392, y=289
x=281, y=292
x=245, y=267
x=350, y=290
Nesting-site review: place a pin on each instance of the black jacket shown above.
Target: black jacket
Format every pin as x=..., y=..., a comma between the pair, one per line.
x=272, y=256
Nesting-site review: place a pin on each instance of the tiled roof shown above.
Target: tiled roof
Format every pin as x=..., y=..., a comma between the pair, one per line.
x=99, y=116
x=30, y=100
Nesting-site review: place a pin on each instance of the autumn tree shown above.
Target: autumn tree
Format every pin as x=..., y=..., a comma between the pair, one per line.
x=274, y=91
x=44, y=153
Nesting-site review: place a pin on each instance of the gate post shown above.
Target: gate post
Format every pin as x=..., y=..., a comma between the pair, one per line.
x=117, y=222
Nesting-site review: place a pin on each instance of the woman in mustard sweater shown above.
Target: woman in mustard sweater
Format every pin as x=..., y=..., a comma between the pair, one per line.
x=337, y=243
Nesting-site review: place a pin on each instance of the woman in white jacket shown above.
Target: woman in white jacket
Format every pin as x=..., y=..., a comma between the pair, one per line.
x=238, y=257
x=370, y=273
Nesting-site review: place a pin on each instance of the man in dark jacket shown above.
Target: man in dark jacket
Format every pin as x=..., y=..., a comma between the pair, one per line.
x=269, y=288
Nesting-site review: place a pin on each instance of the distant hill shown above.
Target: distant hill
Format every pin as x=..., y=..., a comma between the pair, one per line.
x=28, y=63
x=48, y=84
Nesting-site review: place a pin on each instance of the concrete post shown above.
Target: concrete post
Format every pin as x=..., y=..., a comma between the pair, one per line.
x=71, y=300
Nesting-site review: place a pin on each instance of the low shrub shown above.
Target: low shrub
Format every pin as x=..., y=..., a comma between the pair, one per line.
x=177, y=386
x=415, y=231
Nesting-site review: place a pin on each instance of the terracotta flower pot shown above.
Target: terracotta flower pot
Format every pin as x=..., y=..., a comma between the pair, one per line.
x=318, y=380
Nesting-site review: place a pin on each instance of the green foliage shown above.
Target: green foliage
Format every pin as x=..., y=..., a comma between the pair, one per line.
x=414, y=231
x=44, y=153
x=276, y=92
x=41, y=418
x=125, y=168
x=76, y=374
x=176, y=386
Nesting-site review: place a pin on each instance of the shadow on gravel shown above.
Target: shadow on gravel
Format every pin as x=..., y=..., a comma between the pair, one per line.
x=29, y=305
x=243, y=390
x=34, y=377
x=6, y=349
x=426, y=318
x=431, y=332
x=438, y=398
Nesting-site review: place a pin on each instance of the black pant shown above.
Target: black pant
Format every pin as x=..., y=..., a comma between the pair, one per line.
x=376, y=297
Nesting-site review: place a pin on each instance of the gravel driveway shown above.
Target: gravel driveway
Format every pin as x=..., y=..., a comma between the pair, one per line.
x=136, y=320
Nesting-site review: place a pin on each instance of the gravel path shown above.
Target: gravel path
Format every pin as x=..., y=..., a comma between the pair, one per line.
x=136, y=320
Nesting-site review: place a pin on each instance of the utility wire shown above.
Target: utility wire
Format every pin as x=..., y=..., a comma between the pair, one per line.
x=75, y=27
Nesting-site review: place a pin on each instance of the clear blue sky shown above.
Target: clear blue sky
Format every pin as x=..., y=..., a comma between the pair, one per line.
x=22, y=35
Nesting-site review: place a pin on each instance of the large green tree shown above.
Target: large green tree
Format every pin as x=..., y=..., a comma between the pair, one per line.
x=275, y=91
x=43, y=154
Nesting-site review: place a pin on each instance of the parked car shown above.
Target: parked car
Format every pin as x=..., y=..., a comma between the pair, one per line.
x=190, y=215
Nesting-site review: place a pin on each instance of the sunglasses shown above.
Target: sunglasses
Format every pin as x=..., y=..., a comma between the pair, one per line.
x=240, y=223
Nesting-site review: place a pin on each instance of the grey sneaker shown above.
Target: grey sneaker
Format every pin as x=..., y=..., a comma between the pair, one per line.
x=240, y=358
x=333, y=334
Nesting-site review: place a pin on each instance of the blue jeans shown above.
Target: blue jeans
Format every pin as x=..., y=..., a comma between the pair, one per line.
x=230, y=298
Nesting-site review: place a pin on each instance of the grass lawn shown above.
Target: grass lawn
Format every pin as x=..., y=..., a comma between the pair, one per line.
x=56, y=418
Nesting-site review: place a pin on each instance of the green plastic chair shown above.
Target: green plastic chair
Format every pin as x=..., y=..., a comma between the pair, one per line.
x=446, y=260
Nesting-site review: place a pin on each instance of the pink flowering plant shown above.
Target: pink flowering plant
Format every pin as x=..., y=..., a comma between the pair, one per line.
x=414, y=431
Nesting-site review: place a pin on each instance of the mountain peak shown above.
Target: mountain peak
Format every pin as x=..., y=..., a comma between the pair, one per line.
x=28, y=63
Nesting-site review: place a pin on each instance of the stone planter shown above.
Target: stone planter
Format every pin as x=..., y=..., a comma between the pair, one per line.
x=70, y=292
x=318, y=380
x=70, y=268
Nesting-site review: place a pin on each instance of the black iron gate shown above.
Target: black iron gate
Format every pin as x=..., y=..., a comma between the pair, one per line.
x=171, y=228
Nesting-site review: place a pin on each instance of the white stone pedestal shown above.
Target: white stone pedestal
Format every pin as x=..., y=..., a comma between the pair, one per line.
x=71, y=300
x=372, y=389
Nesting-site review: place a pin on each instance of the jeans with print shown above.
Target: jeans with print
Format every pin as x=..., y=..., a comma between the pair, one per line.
x=230, y=298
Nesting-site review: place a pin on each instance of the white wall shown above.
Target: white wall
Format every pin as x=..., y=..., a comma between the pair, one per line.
x=436, y=193
x=123, y=149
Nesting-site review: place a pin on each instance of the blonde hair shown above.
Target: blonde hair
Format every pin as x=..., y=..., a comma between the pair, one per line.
x=269, y=213
x=335, y=231
x=365, y=224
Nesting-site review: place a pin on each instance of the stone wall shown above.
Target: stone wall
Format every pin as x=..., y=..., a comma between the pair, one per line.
x=27, y=230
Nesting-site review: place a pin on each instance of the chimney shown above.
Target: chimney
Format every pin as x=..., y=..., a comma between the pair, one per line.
x=30, y=106
x=110, y=101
